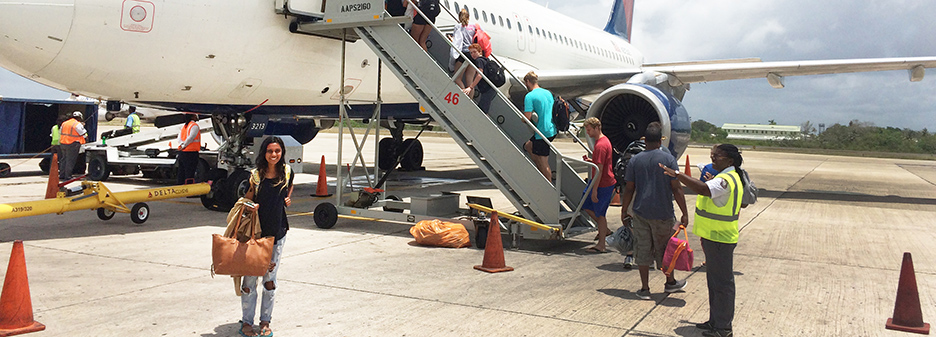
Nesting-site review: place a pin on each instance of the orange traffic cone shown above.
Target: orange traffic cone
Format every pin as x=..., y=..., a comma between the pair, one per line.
x=52, y=187
x=16, y=316
x=616, y=201
x=688, y=171
x=907, y=313
x=493, y=249
x=321, y=188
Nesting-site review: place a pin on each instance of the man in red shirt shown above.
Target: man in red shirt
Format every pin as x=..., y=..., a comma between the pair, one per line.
x=597, y=202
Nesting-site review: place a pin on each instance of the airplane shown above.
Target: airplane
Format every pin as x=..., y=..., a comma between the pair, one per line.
x=240, y=61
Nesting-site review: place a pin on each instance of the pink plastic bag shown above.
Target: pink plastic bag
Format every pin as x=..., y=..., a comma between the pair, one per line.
x=678, y=255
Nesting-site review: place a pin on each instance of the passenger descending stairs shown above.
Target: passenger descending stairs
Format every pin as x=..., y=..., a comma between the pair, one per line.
x=494, y=141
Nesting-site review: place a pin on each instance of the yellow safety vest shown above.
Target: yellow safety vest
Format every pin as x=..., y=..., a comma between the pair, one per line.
x=133, y=122
x=56, y=135
x=720, y=224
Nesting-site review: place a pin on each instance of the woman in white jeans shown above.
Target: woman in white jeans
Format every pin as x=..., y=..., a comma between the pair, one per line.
x=270, y=187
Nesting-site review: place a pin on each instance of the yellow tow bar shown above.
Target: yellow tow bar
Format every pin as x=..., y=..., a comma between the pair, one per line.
x=527, y=222
x=94, y=195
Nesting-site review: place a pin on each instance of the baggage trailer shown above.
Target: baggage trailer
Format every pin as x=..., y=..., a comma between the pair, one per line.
x=26, y=125
x=131, y=154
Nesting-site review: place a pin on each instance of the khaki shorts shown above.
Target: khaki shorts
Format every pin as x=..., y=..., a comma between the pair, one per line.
x=651, y=238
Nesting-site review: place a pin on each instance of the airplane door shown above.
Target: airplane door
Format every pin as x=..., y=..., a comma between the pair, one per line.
x=521, y=34
x=530, y=32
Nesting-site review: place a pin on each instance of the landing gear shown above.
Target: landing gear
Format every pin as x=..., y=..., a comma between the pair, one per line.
x=390, y=150
x=413, y=157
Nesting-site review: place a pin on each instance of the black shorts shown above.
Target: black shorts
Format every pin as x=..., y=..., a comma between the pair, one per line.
x=540, y=147
x=418, y=20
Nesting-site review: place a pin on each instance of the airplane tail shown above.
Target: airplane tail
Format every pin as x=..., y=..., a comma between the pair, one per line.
x=621, y=17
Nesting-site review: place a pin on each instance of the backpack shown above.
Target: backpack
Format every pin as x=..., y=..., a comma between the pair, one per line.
x=749, y=197
x=494, y=72
x=560, y=112
x=620, y=165
x=429, y=7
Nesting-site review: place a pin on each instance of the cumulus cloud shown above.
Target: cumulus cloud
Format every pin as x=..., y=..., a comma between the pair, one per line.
x=790, y=30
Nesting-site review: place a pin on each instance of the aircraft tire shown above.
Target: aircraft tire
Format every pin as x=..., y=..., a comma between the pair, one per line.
x=388, y=150
x=4, y=170
x=412, y=159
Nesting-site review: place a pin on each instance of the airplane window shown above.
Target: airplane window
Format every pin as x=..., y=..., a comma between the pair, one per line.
x=501, y=19
x=465, y=7
x=447, y=4
x=530, y=28
x=484, y=15
x=520, y=27
x=537, y=31
x=475, y=10
x=456, y=8
x=508, y=24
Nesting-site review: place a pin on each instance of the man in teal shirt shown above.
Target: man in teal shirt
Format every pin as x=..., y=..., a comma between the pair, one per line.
x=540, y=101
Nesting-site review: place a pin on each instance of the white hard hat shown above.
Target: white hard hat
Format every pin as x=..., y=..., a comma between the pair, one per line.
x=76, y=114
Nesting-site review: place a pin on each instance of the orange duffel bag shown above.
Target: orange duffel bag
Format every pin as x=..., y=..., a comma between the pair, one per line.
x=440, y=234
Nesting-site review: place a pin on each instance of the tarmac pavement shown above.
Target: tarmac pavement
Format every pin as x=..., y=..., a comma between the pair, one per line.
x=819, y=255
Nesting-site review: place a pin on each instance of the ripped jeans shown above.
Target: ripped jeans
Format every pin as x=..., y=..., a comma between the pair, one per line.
x=249, y=289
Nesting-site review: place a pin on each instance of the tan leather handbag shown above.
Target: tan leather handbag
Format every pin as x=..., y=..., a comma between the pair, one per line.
x=250, y=257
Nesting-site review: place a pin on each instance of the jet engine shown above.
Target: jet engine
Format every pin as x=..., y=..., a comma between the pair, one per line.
x=626, y=109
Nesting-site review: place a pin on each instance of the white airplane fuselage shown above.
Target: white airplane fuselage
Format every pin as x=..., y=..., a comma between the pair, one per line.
x=211, y=54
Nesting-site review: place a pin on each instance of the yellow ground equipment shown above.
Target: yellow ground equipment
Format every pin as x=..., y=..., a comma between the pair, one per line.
x=94, y=195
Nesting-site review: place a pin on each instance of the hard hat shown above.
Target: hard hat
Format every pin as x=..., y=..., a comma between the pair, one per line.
x=77, y=114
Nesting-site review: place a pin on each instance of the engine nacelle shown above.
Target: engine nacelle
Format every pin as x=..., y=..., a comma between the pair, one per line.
x=626, y=109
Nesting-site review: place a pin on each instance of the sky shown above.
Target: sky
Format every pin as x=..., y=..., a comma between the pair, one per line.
x=773, y=30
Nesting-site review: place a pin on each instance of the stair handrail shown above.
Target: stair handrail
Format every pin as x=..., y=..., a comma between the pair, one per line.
x=562, y=158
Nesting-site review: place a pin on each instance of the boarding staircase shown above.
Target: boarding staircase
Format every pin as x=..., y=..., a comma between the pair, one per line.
x=494, y=141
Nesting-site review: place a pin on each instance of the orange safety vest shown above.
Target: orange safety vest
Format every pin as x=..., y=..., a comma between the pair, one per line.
x=194, y=146
x=70, y=134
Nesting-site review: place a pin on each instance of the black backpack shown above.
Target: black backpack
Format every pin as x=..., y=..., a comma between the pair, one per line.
x=560, y=113
x=429, y=7
x=495, y=73
x=620, y=166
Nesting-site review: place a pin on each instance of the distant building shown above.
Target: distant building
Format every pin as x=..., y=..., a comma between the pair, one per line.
x=762, y=132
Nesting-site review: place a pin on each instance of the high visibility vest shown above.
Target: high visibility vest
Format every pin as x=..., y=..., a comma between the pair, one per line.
x=720, y=224
x=195, y=145
x=70, y=133
x=56, y=135
x=133, y=122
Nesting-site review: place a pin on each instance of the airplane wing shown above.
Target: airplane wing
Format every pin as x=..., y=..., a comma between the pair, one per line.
x=775, y=71
x=579, y=82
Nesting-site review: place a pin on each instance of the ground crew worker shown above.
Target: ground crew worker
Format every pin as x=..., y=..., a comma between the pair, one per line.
x=189, y=144
x=73, y=135
x=133, y=121
x=56, y=134
x=716, y=222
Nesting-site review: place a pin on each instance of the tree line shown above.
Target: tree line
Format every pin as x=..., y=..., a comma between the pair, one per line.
x=856, y=136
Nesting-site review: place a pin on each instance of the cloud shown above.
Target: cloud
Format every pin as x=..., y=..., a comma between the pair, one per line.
x=778, y=30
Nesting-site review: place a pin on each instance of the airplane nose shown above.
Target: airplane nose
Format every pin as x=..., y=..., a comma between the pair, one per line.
x=33, y=32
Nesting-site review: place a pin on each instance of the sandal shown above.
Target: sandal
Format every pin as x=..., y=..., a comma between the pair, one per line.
x=265, y=330
x=246, y=326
